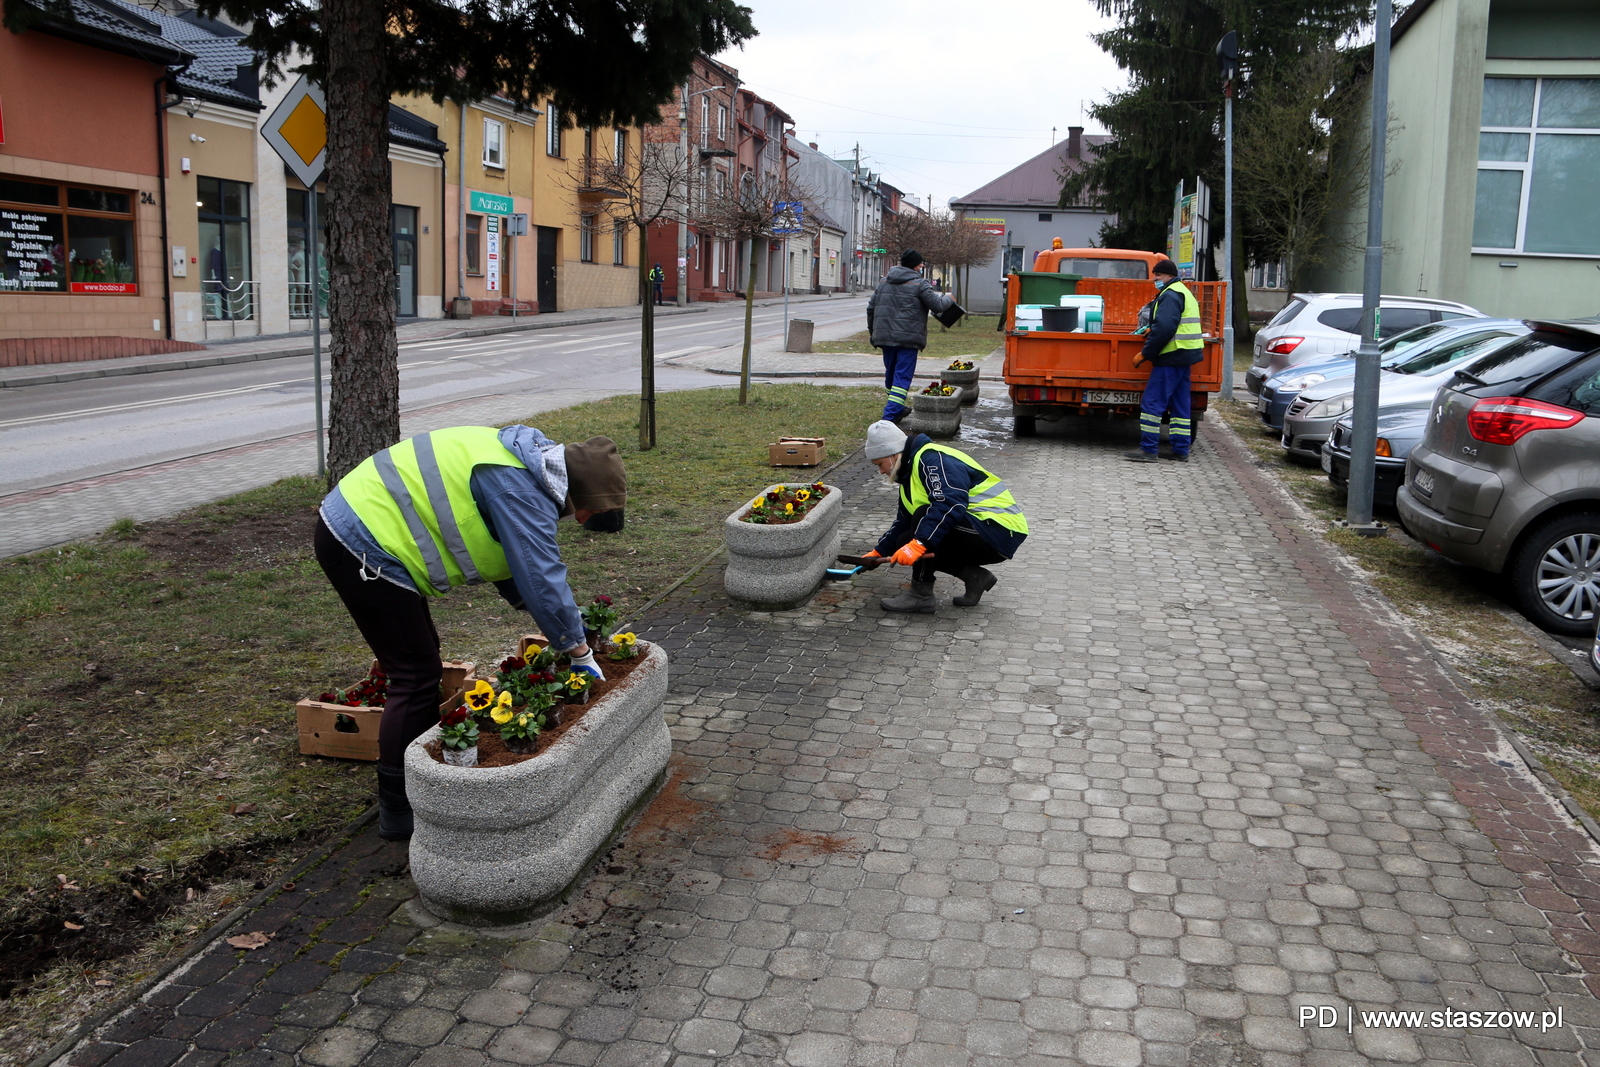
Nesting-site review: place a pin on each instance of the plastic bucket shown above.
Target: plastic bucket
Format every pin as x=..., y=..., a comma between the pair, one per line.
x=1059, y=319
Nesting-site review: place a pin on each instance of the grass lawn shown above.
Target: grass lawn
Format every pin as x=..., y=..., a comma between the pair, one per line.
x=154, y=777
x=974, y=335
x=1457, y=608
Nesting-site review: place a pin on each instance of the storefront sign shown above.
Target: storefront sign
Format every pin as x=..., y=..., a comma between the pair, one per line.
x=491, y=260
x=993, y=227
x=489, y=204
x=104, y=287
x=31, y=251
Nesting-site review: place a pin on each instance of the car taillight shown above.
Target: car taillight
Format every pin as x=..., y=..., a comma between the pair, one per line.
x=1284, y=345
x=1384, y=449
x=1503, y=420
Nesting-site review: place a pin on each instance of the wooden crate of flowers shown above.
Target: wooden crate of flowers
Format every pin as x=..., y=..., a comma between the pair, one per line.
x=344, y=722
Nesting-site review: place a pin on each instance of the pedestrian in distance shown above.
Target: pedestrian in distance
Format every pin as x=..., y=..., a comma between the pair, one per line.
x=897, y=322
x=658, y=278
x=953, y=516
x=1172, y=347
x=457, y=507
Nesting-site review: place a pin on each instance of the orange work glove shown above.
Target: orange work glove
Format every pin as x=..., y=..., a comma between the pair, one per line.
x=910, y=552
x=874, y=554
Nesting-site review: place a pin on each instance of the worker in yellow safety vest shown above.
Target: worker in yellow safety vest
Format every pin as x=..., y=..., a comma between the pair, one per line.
x=1173, y=345
x=953, y=516
x=457, y=507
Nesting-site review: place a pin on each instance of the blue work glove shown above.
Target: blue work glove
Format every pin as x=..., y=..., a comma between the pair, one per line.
x=588, y=663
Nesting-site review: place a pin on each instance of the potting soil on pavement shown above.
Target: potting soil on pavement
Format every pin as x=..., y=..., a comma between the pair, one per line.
x=1178, y=781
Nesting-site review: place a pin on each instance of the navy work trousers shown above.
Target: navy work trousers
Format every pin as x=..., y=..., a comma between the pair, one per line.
x=1167, y=391
x=899, y=364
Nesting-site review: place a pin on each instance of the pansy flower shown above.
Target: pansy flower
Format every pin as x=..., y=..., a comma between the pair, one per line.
x=480, y=696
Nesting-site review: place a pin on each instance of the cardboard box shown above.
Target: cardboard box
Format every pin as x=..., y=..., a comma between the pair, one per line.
x=319, y=723
x=797, y=451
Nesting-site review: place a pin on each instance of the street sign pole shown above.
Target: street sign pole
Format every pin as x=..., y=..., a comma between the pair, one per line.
x=315, y=269
x=1364, y=416
x=1228, y=59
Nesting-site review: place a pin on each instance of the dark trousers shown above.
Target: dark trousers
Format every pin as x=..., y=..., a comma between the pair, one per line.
x=959, y=549
x=899, y=364
x=399, y=630
x=658, y=293
x=1166, y=391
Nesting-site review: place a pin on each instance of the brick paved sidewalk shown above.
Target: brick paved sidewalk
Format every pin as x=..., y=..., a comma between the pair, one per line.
x=1178, y=776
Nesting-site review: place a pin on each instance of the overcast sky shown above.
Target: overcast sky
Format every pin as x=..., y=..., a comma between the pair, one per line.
x=942, y=95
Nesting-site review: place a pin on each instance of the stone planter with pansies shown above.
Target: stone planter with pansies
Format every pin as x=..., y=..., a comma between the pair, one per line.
x=775, y=566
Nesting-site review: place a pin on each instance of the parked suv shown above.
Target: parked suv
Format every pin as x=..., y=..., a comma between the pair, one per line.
x=1507, y=477
x=1317, y=326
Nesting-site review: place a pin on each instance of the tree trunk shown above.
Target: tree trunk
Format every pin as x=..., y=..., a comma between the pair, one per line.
x=364, y=398
x=1241, y=292
x=749, y=314
x=647, y=347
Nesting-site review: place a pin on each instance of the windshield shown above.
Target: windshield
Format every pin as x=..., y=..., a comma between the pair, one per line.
x=1391, y=347
x=1134, y=269
x=1448, y=355
x=1529, y=357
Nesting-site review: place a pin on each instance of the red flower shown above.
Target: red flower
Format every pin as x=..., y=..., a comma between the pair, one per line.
x=603, y=599
x=513, y=663
x=454, y=718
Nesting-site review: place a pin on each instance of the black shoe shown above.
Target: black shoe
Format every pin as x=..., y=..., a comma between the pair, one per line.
x=1139, y=455
x=394, y=810
x=1181, y=457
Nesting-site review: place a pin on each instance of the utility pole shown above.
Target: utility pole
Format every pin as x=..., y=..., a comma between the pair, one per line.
x=1364, y=417
x=1228, y=61
x=683, y=211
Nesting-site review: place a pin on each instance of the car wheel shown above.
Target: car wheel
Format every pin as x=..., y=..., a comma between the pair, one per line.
x=1555, y=574
x=1024, y=426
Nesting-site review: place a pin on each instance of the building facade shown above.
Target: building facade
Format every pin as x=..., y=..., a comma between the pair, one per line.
x=1496, y=138
x=1023, y=207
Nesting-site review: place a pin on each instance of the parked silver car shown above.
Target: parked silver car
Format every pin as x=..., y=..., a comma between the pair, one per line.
x=1507, y=477
x=1399, y=431
x=1318, y=326
x=1413, y=380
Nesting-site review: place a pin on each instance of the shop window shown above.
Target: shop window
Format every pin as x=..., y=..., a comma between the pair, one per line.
x=227, y=287
x=586, y=225
x=301, y=274
x=494, y=144
x=57, y=238
x=1538, y=152
x=475, y=244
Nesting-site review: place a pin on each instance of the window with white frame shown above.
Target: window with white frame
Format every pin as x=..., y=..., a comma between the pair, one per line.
x=494, y=143
x=619, y=242
x=722, y=122
x=552, y=131
x=619, y=147
x=586, y=224
x=705, y=122
x=1538, y=154
x=1267, y=276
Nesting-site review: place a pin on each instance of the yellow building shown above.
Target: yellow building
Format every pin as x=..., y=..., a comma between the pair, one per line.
x=509, y=163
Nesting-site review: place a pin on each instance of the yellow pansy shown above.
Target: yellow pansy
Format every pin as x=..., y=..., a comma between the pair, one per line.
x=501, y=714
x=624, y=639
x=788, y=509
x=480, y=696
x=802, y=495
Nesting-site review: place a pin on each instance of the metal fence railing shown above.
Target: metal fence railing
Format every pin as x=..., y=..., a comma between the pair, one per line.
x=229, y=303
x=300, y=300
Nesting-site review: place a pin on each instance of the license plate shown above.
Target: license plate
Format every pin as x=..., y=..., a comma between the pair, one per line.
x=1327, y=462
x=1110, y=396
x=1423, y=483
x=1261, y=405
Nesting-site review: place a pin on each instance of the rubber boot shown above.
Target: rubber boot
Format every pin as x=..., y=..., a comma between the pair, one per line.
x=394, y=810
x=918, y=599
x=978, y=581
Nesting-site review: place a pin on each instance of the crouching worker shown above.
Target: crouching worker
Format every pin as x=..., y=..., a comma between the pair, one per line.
x=457, y=507
x=953, y=516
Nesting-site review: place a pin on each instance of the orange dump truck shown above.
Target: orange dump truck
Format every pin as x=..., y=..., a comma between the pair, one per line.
x=1052, y=374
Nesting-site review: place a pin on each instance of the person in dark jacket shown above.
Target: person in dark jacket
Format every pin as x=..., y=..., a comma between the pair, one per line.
x=953, y=516
x=1173, y=345
x=457, y=507
x=658, y=278
x=897, y=321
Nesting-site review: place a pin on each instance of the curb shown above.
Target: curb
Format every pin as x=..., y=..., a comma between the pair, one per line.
x=21, y=381
x=201, y=942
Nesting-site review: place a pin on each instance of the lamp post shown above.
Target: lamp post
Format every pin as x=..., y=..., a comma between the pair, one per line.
x=1364, y=416
x=1228, y=64
x=688, y=171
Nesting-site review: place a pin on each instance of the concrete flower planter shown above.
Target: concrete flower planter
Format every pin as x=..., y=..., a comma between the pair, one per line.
x=936, y=416
x=772, y=568
x=500, y=845
x=967, y=380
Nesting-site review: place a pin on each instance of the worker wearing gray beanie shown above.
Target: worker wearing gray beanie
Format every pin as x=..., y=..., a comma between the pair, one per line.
x=947, y=502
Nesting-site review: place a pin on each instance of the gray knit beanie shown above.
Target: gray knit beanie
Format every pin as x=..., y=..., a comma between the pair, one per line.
x=884, y=438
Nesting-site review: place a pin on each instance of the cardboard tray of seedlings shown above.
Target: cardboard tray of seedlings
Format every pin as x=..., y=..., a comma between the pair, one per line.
x=352, y=733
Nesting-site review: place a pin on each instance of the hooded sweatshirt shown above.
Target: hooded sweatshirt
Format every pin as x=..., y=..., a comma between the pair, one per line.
x=897, y=313
x=520, y=506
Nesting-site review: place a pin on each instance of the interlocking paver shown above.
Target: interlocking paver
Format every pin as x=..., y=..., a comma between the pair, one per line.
x=1176, y=779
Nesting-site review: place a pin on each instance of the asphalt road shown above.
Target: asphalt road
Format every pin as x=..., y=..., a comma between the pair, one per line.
x=55, y=434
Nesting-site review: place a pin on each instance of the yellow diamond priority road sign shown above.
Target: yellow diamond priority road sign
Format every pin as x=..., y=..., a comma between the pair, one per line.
x=297, y=130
